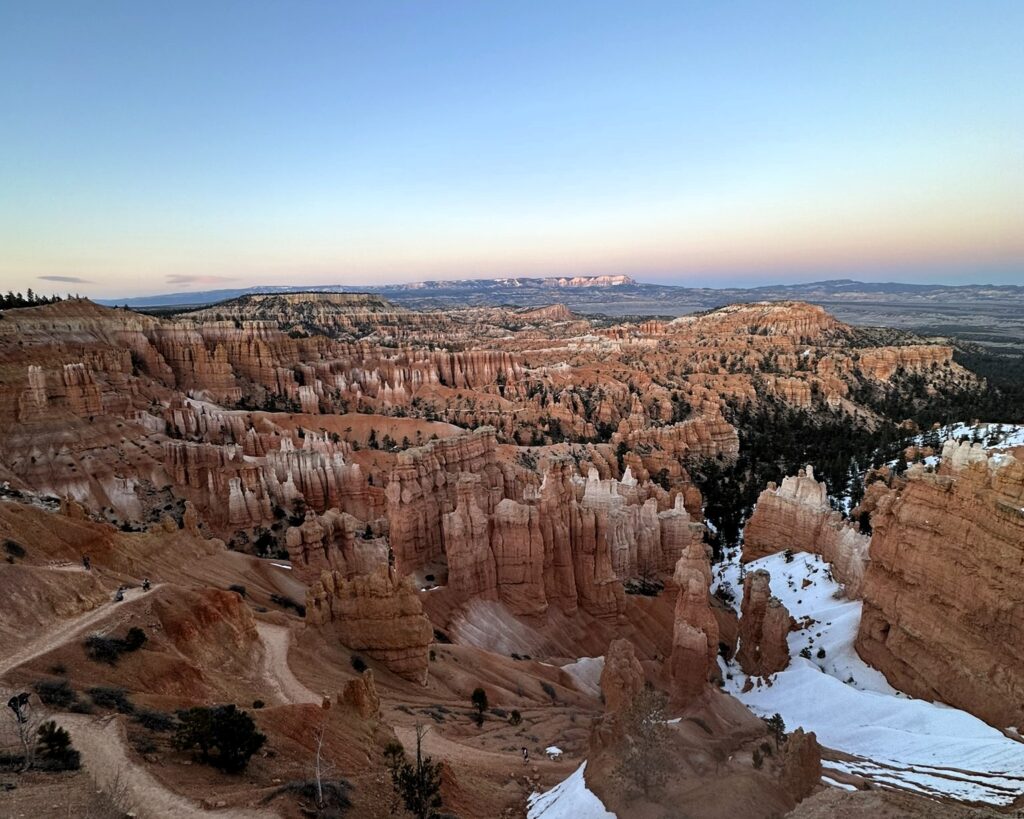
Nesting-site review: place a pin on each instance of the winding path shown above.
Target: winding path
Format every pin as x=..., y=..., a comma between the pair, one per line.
x=104, y=748
x=275, y=669
x=67, y=630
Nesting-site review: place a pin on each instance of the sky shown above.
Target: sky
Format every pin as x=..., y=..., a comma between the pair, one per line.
x=159, y=147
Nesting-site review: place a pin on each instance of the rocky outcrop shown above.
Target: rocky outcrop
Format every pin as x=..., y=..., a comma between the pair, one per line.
x=359, y=696
x=797, y=516
x=695, y=629
x=944, y=593
x=800, y=768
x=764, y=627
x=883, y=362
x=471, y=568
x=622, y=677
x=335, y=541
x=423, y=485
x=378, y=614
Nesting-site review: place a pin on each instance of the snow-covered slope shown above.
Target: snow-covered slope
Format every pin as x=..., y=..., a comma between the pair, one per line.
x=569, y=799
x=895, y=740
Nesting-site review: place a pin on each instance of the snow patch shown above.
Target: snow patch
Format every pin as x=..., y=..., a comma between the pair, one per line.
x=898, y=741
x=569, y=799
x=586, y=673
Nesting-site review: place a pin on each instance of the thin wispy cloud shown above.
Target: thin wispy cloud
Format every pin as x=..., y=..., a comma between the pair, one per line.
x=183, y=278
x=70, y=279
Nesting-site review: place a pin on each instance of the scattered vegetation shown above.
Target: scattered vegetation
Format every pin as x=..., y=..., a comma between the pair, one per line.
x=358, y=663
x=479, y=700
x=287, y=603
x=14, y=549
x=56, y=693
x=158, y=721
x=777, y=728
x=114, y=698
x=108, y=650
x=54, y=751
x=332, y=795
x=225, y=737
x=417, y=784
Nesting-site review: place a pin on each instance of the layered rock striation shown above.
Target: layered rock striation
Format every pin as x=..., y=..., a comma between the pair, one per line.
x=379, y=614
x=943, y=595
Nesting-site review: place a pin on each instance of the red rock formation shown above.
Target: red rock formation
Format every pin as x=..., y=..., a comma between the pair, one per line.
x=622, y=677
x=379, y=614
x=360, y=696
x=471, y=567
x=334, y=541
x=800, y=772
x=943, y=595
x=797, y=516
x=695, y=631
x=764, y=626
x=422, y=488
x=883, y=362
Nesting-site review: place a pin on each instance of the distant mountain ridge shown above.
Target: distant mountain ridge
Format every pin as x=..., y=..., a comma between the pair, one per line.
x=983, y=313
x=516, y=289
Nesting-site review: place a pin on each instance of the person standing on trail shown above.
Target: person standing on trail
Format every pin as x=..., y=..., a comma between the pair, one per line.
x=145, y=585
x=526, y=755
x=86, y=562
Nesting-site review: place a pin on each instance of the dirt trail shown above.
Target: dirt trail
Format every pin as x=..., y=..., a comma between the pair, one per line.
x=105, y=753
x=275, y=668
x=68, y=629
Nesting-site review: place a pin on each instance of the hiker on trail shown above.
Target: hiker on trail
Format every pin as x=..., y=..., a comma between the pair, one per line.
x=120, y=594
x=145, y=585
x=86, y=562
x=526, y=755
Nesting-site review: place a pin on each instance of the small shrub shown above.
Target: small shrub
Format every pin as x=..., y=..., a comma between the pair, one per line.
x=821, y=653
x=479, y=700
x=113, y=698
x=805, y=652
x=441, y=637
x=335, y=794
x=54, y=751
x=258, y=704
x=225, y=737
x=288, y=603
x=60, y=669
x=56, y=693
x=156, y=720
x=237, y=588
x=788, y=555
x=358, y=663
x=108, y=650
x=14, y=549
x=515, y=718
x=549, y=689
x=134, y=639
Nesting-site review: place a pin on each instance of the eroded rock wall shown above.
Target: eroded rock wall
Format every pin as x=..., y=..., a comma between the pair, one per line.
x=944, y=591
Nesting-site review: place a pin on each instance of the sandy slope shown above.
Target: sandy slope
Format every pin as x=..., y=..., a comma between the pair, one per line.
x=69, y=629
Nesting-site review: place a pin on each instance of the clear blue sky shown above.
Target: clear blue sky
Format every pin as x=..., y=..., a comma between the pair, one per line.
x=148, y=147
